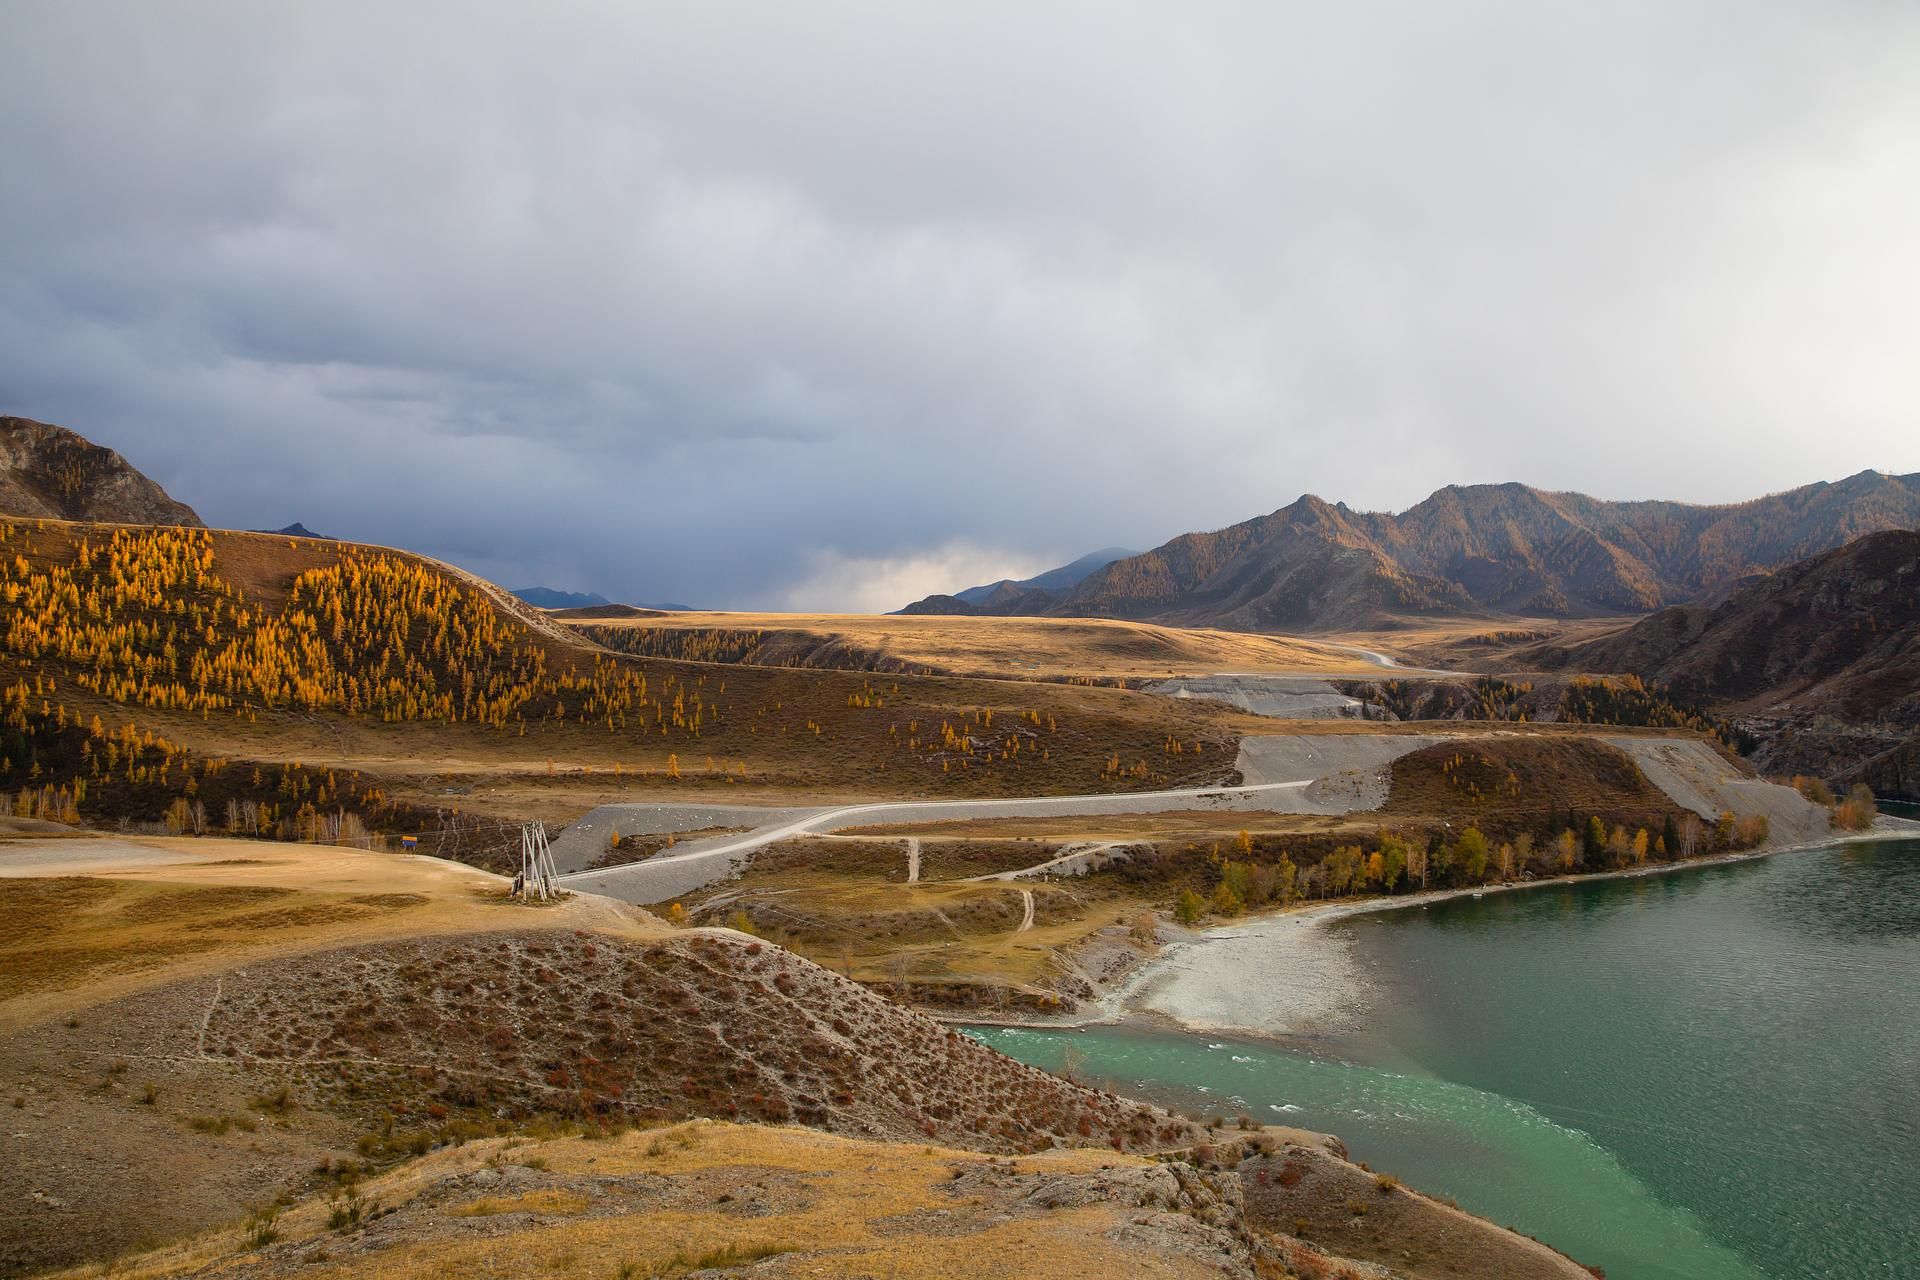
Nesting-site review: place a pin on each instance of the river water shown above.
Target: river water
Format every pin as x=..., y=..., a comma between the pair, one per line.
x=1708, y=1074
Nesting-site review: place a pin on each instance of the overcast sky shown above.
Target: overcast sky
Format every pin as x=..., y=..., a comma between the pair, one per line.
x=828, y=306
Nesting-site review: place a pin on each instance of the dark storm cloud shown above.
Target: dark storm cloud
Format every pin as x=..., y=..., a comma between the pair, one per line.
x=831, y=305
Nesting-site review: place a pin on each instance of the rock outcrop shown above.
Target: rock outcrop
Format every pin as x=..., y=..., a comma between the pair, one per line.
x=49, y=472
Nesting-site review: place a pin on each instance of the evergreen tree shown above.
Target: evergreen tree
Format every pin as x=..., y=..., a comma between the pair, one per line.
x=1593, y=845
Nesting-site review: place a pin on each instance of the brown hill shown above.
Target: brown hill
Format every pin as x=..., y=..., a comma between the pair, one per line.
x=1474, y=549
x=212, y=994
x=323, y=1063
x=1821, y=661
x=52, y=473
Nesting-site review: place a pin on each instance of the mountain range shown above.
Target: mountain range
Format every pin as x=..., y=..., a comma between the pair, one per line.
x=549, y=598
x=1006, y=596
x=49, y=472
x=1468, y=550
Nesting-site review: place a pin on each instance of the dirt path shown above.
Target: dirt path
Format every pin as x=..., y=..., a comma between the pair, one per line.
x=1069, y=857
x=206, y=1019
x=913, y=859
x=1026, y=921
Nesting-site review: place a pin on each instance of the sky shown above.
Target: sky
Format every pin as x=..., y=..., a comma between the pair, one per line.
x=829, y=306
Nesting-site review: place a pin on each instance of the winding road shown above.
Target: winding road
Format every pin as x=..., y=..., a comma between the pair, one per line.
x=698, y=863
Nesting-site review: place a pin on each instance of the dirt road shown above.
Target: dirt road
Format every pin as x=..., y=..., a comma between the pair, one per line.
x=697, y=863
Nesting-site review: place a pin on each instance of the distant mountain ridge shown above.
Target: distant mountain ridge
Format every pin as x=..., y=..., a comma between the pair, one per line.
x=1471, y=550
x=49, y=472
x=298, y=530
x=1006, y=596
x=548, y=598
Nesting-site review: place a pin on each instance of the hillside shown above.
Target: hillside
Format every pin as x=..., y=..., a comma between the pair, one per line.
x=1477, y=550
x=50, y=472
x=1820, y=661
x=1048, y=649
x=269, y=684
x=348, y=1064
x=284, y=977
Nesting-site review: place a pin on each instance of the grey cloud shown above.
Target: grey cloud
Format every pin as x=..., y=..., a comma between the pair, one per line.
x=691, y=301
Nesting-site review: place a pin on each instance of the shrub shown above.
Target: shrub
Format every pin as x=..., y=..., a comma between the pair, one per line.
x=261, y=1230
x=1814, y=789
x=346, y=1211
x=1144, y=929
x=1857, y=811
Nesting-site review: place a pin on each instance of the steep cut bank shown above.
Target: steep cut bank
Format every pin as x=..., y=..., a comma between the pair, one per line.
x=49, y=472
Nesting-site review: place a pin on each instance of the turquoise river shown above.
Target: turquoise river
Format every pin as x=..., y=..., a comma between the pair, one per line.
x=1711, y=1074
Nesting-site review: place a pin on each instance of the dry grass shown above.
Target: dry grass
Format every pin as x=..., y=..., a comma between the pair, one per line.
x=83, y=921
x=729, y=1197
x=946, y=940
x=548, y=1200
x=1476, y=644
x=227, y=1076
x=1039, y=648
x=1513, y=784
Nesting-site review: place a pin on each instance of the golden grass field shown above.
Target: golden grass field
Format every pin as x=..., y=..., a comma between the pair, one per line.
x=821, y=1205
x=1042, y=648
x=1474, y=644
x=89, y=919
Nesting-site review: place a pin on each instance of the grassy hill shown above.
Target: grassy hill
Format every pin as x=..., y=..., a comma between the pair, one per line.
x=1067, y=650
x=220, y=680
x=327, y=1063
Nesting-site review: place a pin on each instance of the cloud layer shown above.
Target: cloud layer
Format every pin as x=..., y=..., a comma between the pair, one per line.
x=793, y=305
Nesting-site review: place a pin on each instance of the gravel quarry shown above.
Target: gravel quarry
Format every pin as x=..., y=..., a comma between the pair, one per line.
x=1281, y=697
x=1697, y=778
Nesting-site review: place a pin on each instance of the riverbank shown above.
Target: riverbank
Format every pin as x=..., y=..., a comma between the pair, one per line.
x=1505, y=1048
x=1285, y=976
